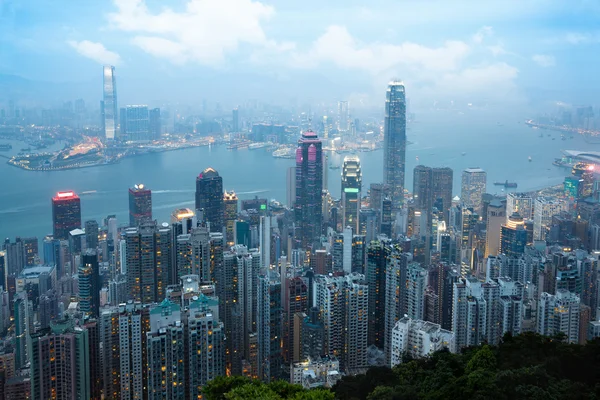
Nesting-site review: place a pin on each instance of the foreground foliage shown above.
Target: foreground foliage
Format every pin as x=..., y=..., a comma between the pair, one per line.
x=241, y=388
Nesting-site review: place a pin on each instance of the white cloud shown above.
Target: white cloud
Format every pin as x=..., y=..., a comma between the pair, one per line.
x=482, y=34
x=96, y=52
x=544, y=60
x=203, y=32
x=579, y=38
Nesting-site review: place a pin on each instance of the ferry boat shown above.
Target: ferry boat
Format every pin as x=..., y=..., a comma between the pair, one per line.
x=506, y=184
x=5, y=147
x=255, y=146
x=283, y=153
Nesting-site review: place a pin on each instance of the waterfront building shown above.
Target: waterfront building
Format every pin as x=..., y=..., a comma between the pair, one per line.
x=521, y=203
x=209, y=198
x=66, y=214
x=230, y=204
x=473, y=186
x=351, y=192
x=140, y=205
x=309, y=187
x=394, y=150
x=417, y=338
x=135, y=123
x=109, y=107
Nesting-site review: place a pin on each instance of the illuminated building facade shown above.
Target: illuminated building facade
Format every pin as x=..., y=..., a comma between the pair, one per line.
x=351, y=192
x=394, y=138
x=140, y=204
x=230, y=202
x=474, y=181
x=109, y=104
x=209, y=198
x=66, y=214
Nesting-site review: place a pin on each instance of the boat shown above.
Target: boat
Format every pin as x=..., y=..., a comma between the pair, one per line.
x=529, y=158
x=334, y=167
x=26, y=149
x=88, y=192
x=283, y=153
x=464, y=154
x=5, y=147
x=506, y=184
x=255, y=146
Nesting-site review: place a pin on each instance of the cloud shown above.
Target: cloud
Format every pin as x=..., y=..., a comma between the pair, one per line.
x=95, y=51
x=544, y=60
x=482, y=33
x=204, y=32
x=579, y=38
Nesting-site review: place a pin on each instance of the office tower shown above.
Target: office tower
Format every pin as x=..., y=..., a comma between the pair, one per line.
x=496, y=217
x=23, y=317
x=14, y=256
x=60, y=362
x=418, y=339
x=140, y=205
x=351, y=192
x=235, y=120
x=148, y=260
x=291, y=187
x=559, y=313
x=543, y=211
x=230, y=204
x=343, y=116
x=394, y=150
x=123, y=335
x=135, y=123
x=295, y=302
x=475, y=313
x=378, y=252
x=442, y=191
x=89, y=284
x=209, y=198
x=66, y=214
x=395, y=293
x=473, y=187
x=269, y=328
x=154, y=124
x=521, y=203
x=30, y=250
x=309, y=186
x=109, y=104
x=513, y=236
x=91, y=234
x=343, y=305
x=265, y=242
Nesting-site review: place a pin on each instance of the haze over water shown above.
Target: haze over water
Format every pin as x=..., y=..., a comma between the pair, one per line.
x=500, y=144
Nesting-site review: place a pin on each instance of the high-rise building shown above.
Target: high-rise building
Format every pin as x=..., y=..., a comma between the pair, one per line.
x=154, y=124
x=496, y=217
x=351, y=192
x=148, y=261
x=209, y=198
x=269, y=327
x=66, y=214
x=418, y=339
x=14, y=257
x=559, y=313
x=89, y=284
x=343, y=116
x=295, y=302
x=513, y=236
x=91, y=234
x=378, y=252
x=394, y=150
x=60, y=362
x=473, y=186
x=543, y=211
x=343, y=305
x=109, y=104
x=442, y=191
x=291, y=186
x=235, y=120
x=521, y=203
x=265, y=242
x=135, y=123
x=416, y=283
x=140, y=205
x=395, y=293
x=309, y=186
x=230, y=204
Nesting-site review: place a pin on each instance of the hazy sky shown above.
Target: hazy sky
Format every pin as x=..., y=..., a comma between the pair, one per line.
x=502, y=51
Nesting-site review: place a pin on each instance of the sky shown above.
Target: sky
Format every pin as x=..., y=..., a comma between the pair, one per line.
x=499, y=52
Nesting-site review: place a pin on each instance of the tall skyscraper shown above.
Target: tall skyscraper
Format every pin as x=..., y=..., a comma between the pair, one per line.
x=394, y=138
x=351, y=192
x=235, y=120
x=89, y=284
x=209, y=198
x=513, y=236
x=66, y=214
x=109, y=103
x=148, y=260
x=473, y=187
x=343, y=116
x=442, y=191
x=230, y=203
x=290, y=187
x=140, y=205
x=135, y=123
x=309, y=186
x=377, y=255
x=269, y=327
x=496, y=217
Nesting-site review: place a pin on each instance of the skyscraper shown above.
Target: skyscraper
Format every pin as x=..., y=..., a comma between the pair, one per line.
x=473, y=187
x=543, y=211
x=109, y=103
x=89, y=284
x=496, y=217
x=394, y=137
x=154, y=124
x=351, y=192
x=377, y=255
x=66, y=214
x=235, y=120
x=269, y=326
x=230, y=202
x=521, y=203
x=209, y=198
x=309, y=185
x=140, y=205
x=135, y=124
x=513, y=236
x=559, y=314
x=343, y=116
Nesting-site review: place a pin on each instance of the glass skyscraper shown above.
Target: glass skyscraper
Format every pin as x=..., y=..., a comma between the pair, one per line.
x=394, y=137
x=351, y=192
x=109, y=103
x=66, y=214
x=209, y=198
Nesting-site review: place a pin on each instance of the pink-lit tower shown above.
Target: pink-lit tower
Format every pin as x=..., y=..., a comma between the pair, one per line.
x=309, y=190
